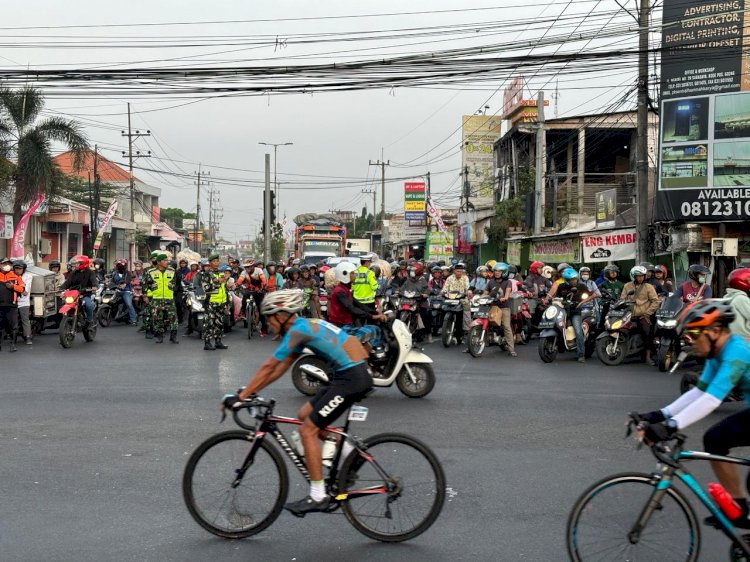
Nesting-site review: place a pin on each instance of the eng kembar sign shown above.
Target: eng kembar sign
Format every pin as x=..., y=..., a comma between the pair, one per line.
x=612, y=246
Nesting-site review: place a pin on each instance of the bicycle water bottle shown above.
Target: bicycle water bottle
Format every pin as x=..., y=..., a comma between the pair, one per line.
x=726, y=503
x=297, y=443
x=328, y=450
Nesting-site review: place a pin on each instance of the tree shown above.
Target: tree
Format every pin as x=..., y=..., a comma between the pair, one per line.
x=174, y=216
x=277, y=242
x=511, y=212
x=28, y=144
x=365, y=222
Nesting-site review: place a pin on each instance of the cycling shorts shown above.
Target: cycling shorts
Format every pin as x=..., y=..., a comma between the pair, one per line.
x=346, y=388
x=731, y=432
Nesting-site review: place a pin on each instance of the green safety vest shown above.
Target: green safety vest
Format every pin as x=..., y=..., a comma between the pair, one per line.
x=163, y=280
x=220, y=296
x=361, y=288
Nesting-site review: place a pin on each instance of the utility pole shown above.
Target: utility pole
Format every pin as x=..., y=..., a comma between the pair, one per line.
x=267, y=211
x=200, y=179
x=382, y=165
x=641, y=146
x=131, y=138
x=372, y=192
x=540, y=153
x=275, y=180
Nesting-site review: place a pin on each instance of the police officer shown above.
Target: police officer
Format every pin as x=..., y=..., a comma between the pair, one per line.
x=159, y=282
x=365, y=284
x=214, y=285
x=148, y=309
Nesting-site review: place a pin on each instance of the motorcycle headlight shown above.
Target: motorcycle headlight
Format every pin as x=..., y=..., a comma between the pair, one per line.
x=668, y=323
x=69, y=300
x=550, y=313
x=198, y=307
x=616, y=324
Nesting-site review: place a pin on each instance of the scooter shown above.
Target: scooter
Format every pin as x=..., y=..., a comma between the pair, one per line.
x=481, y=332
x=436, y=311
x=558, y=335
x=392, y=359
x=453, y=318
x=74, y=319
x=112, y=308
x=668, y=344
x=621, y=337
x=195, y=299
x=520, y=316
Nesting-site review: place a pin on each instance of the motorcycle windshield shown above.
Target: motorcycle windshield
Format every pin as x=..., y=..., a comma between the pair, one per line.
x=671, y=307
x=199, y=293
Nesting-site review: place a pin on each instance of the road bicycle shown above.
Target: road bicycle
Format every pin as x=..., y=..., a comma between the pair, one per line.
x=251, y=317
x=640, y=516
x=391, y=487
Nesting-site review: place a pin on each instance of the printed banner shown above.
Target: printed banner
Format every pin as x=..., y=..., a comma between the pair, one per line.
x=556, y=251
x=436, y=218
x=19, y=236
x=479, y=134
x=613, y=246
x=439, y=246
x=606, y=208
x=464, y=239
x=104, y=223
x=513, y=253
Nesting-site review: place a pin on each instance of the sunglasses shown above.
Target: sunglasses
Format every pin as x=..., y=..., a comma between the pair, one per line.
x=693, y=333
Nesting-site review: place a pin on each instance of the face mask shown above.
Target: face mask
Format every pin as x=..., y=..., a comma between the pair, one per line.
x=511, y=275
x=701, y=280
x=412, y=274
x=585, y=277
x=6, y=268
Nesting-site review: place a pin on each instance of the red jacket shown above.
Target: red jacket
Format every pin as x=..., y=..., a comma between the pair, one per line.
x=9, y=295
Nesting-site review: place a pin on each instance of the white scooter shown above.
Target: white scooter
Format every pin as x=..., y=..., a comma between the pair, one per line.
x=392, y=360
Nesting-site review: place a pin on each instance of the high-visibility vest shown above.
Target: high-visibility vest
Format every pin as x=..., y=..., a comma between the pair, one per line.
x=361, y=287
x=163, y=280
x=220, y=296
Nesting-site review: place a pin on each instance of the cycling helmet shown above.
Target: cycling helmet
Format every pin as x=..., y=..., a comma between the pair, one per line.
x=696, y=269
x=248, y=263
x=562, y=267
x=286, y=300
x=490, y=264
x=612, y=267
x=81, y=262
x=740, y=279
x=376, y=270
x=705, y=313
x=54, y=263
x=536, y=267
x=637, y=270
x=291, y=271
x=648, y=266
x=547, y=271
x=569, y=273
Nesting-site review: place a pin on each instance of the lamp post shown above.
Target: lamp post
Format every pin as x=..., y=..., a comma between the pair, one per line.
x=275, y=182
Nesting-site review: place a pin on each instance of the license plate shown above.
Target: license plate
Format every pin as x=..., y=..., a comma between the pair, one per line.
x=481, y=315
x=358, y=413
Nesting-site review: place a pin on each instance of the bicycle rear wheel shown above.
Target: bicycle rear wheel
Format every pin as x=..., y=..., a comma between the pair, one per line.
x=228, y=511
x=602, y=519
x=415, y=487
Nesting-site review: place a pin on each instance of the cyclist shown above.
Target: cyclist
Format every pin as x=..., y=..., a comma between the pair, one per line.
x=350, y=382
x=705, y=326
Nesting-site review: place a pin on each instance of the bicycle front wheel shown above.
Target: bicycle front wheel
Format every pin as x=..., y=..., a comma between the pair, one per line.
x=407, y=485
x=222, y=506
x=601, y=525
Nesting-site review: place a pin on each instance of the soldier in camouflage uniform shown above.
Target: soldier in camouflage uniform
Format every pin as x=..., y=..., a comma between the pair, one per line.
x=160, y=282
x=212, y=282
x=148, y=309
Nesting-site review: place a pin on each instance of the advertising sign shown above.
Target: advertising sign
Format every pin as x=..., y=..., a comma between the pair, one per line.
x=104, y=223
x=6, y=226
x=435, y=216
x=513, y=253
x=612, y=246
x=704, y=149
x=414, y=200
x=479, y=134
x=439, y=246
x=556, y=251
x=19, y=235
x=606, y=208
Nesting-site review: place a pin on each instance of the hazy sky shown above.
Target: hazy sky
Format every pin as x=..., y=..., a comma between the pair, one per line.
x=334, y=134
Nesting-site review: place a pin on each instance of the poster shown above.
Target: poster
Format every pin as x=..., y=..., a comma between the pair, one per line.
x=6, y=226
x=513, y=253
x=479, y=134
x=414, y=201
x=556, y=251
x=439, y=246
x=606, y=208
x=611, y=246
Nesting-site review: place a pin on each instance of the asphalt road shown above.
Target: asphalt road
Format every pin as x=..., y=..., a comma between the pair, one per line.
x=94, y=440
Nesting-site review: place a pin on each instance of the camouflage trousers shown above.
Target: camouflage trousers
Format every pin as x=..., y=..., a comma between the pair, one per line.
x=147, y=314
x=213, y=323
x=163, y=316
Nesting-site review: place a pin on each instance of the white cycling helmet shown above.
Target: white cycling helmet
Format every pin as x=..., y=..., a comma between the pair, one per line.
x=286, y=300
x=343, y=270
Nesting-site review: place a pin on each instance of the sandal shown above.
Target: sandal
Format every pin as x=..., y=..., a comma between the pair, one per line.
x=513, y=354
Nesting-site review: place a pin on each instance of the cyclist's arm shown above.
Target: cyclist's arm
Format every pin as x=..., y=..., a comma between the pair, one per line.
x=271, y=370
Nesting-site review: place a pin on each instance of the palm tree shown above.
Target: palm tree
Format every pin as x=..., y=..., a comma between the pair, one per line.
x=28, y=144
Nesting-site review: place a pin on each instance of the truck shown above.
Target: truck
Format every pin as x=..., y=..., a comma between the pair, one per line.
x=356, y=247
x=318, y=237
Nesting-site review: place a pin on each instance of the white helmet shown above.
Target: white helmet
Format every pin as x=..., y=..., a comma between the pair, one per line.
x=286, y=300
x=343, y=270
x=547, y=271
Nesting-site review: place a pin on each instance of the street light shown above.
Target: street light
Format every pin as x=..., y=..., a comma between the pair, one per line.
x=276, y=183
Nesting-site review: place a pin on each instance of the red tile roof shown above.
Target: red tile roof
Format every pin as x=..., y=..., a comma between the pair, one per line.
x=108, y=170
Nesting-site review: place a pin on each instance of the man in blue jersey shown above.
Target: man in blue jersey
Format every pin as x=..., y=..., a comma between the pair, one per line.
x=350, y=382
x=705, y=324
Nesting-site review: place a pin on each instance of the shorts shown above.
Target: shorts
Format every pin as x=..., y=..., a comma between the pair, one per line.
x=346, y=388
x=731, y=432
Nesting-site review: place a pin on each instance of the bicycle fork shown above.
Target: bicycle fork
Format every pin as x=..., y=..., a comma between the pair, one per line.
x=653, y=504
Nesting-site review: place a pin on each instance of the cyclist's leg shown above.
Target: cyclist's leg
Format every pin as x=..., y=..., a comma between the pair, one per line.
x=731, y=432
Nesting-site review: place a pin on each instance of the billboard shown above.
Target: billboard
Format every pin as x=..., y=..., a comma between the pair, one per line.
x=414, y=201
x=704, y=149
x=439, y=246
x=479, y=134
x=613, y=246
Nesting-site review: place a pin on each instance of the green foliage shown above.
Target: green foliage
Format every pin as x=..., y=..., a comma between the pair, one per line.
x=511, y=212
x=80, y=191
x=174, y=216
x=277, y=242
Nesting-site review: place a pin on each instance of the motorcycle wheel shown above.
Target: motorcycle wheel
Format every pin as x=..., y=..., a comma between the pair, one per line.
x=421, y=384
x=67, y=334
x=548, y=349
x=303, y=382
x=687, y=382
x=616, y=357
x=449, y=325
x=90, y=333
x=665, y=356
x=252, y=327
x=104, y=316
x=476, y=341
x=525, y=332
x=37, y=325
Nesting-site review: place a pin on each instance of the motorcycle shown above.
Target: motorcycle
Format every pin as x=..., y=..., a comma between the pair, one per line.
x=520, y=316
x=558, y=335
x=409, y=313
x=453, y=318
x=668, y=344
x=481, y=332
x=135, y=284
x=392, y=358
x=323, y=299
x=436, y=311
x=195, y=299
x=112, y=308
x=621, y=337
x=74, y=319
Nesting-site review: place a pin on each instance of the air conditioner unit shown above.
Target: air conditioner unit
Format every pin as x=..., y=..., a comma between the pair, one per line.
x=724, y=247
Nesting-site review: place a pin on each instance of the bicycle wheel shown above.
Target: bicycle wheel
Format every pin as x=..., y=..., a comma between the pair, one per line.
x=243, y=510
x=415, y=484
x=604, y=515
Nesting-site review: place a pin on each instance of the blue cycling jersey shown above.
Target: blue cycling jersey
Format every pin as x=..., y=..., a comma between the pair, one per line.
x=323, y=338
x=730, y=369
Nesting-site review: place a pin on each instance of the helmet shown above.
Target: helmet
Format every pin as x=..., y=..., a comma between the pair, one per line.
x=343, y=270
x=402, y=263
x=696, y=269
x=225, y=268
x=536, y=267
x=291, y=271
x=482, y=269
x=562, y=267
x=248, y=263
x=365, y=257
x=304, y=268
x=569, y=273
x=271, y=264
x=83, y=262
x=663, y=269
x=512, y=270
x=204, y=262
x=445, y=269
x=637, y=270
x=501, y=266
x=296, y=262
x=122, y=261
x=705, y=313
x=740, y=279
x=419, y=269
x=490, y=264
x=286, y=300
x=19, y=263
x=54, y=263
x=547, y=271
x=584, y=269
x=436, y=269
x=394, y=265
x=99, y=262
x=313, y=266
x=191, y=263
x=612, y=267
x=460, y=265
x=647, y=265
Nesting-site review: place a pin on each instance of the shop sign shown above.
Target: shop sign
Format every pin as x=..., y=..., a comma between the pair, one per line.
x=556, y=251
x=612, y=246
x=439, y=246
x=513, y=253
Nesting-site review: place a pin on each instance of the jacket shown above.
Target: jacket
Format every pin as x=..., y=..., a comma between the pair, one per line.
x=646, y=301
x=9, y=296
x=364, y=285
x=81, y=280
x=342, y=308
x=741, y=306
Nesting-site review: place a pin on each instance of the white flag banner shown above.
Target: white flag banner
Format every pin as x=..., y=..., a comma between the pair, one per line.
x=435, y=216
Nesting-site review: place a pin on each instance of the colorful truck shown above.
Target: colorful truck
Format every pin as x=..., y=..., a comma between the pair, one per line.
x=318, y=237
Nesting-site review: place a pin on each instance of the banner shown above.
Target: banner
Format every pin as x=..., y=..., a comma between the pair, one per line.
x=606, y=208
x=613, y=246
x=438, y=246
x=6, y=226
x=464, y=239
x=479, y=134
x=414, y=200
x=513, y=253
x=103, y=225
x=435, y=216
x=556, y=251
x=16, y=250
